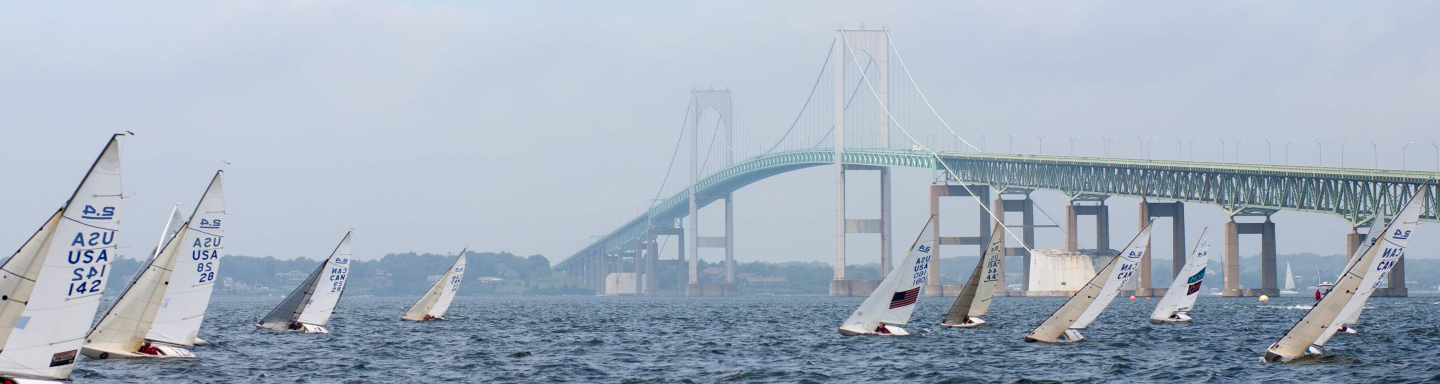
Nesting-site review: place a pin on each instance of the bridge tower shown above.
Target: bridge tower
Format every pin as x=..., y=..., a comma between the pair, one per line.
x=933, y=286
x=1176, y=212
x=701, y=102
x=875, y=45
x=1268, y=270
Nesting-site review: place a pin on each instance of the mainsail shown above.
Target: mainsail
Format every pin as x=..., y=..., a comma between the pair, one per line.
x=435, y=302
x=183, y=308
x=314, y=300
x=894, y=299
x=1086, y=305
x=1180, y=298
x=974, y=299
x=46, y=309
x=1361, y=276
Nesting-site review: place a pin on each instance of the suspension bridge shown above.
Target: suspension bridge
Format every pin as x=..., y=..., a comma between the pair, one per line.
x=866, y=113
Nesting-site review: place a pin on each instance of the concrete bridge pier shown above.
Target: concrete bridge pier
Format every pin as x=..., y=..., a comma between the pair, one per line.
x=1102, y=225
x=933, y=286
x=1266, y=230
x=1026, y=208
x=1395, y=281
x=840, y=285
x=1176, y=212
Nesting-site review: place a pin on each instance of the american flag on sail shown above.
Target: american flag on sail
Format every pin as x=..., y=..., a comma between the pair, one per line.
x=902, y=299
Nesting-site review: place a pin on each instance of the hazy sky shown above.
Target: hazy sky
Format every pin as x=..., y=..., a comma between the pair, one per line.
x=529, y=127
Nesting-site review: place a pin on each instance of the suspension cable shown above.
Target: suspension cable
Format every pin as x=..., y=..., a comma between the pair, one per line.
x=938, y=159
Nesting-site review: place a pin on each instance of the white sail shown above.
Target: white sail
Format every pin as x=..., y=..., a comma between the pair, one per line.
x=1363, y=273
x=437, y=300
x=1180, y=298
x=1086, y=305
x=1390, y=252
x=183, y=309
x=894, y=299
x=172, y=226
x=121, y=331
x=51, y=287
x=1289, y=278
x=328, y=287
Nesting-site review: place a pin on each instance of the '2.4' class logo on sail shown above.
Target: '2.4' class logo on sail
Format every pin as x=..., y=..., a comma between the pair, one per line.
x=209, y=224
x=103, y=213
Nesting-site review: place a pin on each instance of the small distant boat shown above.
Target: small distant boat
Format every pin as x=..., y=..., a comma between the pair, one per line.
x=974, y=300
x=1076, y=314
x=893, y=301
x=1179, y=300
x=1289, y=288
x=433, y=305
x=49, y=298
x=1350, y=292
x=307, y=309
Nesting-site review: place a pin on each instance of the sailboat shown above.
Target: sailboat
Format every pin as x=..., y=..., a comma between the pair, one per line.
x=893, y=301
x=974, y=299
x=182, y=310
x=307, y=309
x=121, y=331
x=1289, y=281
x=1353, y=288
x=1350, y=317
x=51, y=286
x=1076, y=314
x=433, y=305
x=1179, y=300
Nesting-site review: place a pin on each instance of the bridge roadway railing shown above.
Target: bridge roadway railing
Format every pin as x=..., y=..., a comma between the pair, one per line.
x=1240, y=189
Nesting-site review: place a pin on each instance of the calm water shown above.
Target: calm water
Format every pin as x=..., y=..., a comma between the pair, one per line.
x=779, y=339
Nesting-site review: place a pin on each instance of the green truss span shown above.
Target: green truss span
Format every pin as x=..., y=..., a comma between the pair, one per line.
x=1240, y=189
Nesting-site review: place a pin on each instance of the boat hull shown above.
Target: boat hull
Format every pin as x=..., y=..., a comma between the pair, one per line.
x=1179, y=318
x=304, y=328
x=971, y=322
x=894, y=331
x=162, y=352
x=1069, y=336
x=21, y=380
x=1273, y=357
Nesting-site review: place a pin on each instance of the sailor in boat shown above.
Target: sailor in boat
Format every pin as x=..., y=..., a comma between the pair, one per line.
x=428, y=317
x=149, y=349
x=294, y=326
x=882, y=330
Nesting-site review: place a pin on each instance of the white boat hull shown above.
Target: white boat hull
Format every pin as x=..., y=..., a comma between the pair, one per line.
x=304, y=328
x=19, y=380
x=201, y=342
x=1271, y=356
x=971, y=322
x=1070, y=336
x=894, y=331
x=162, y=352
x=1178, y=318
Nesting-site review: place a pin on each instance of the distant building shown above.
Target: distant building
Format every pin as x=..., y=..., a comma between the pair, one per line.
x=291, y=278
x=383, y=277
x=764, y=282
x=713, y=274
x=490, y=280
